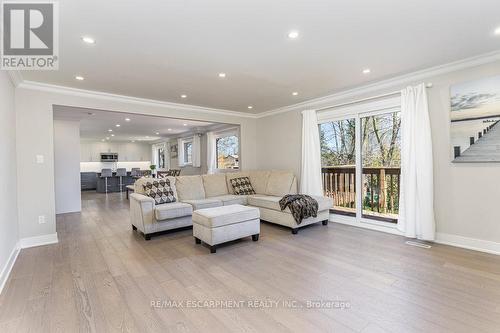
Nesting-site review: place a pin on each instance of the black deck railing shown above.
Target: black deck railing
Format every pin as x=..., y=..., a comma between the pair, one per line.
x=381, y=187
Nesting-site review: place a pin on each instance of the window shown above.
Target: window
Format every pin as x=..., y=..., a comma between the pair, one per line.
x=159, y=156
x=188, y=152
x=360, y=156
x=226, y=149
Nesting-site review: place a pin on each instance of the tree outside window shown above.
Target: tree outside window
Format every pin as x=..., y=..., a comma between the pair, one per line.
x=227, y=152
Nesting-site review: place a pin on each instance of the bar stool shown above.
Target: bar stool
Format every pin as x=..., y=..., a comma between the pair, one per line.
x=106, y=173
x=121, y=172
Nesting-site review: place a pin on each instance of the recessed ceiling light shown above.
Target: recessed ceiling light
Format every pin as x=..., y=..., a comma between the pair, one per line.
x=295, y=93
x=366, y=71
x=250, y=107
x=88, y=40
x=147, y=136
x=79, y=78
x=222, y=75
x=110, y=130
x=293, y=34
x=117, y=125
x=157, y=133
x=112, y=135
x=107, y=138
x=102, y=140
x=497, y=31
x=183, y=96
x=169, y=129
x=127, y=119
x=184, y=124
x=133, y=140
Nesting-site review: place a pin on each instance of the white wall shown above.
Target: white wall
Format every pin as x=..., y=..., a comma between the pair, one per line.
x=67, y=166
x=466, y=195
x=9, y=235
x=34, y=116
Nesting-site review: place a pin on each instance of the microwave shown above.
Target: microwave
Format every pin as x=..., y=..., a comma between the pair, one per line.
x=109, y=157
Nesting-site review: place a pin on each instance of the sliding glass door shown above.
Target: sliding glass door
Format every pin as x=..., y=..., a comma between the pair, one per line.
x=338, y=158
x=360, y=154
x=381, y=156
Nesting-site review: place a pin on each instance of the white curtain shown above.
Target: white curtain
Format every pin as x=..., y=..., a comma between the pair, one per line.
x=180, y=152
x=196, y=151
x=211, y=153
x=416, y=209
x=310, y=177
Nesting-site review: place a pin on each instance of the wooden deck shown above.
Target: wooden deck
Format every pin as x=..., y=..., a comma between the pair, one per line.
x=102, y=277
x=485, y=149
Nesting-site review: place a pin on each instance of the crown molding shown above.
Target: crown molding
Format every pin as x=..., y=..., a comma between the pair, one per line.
x=15, y=77
x=127, y=99
x=315, y=103
x=386, y=84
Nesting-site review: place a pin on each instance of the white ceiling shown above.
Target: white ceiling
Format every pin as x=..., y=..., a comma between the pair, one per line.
x=162, y=49
x=95, y=125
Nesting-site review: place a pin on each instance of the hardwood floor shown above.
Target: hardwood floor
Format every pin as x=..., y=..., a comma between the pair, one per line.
x=102, y=277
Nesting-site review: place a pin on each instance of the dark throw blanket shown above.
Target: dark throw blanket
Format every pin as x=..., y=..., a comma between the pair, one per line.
x=302, y=206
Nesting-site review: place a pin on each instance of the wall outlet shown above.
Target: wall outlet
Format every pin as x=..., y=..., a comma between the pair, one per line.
x=39, y=159
x=41, y=219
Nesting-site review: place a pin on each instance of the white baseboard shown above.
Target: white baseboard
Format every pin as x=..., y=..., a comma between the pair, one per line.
x=441, y=238
x=38, y=240
x=4, y=276
x=468, y=243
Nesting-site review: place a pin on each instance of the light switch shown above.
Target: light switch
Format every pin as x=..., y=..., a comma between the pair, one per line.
x=39, y=159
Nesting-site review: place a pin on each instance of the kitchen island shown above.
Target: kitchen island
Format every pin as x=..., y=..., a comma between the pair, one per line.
x=93, y=181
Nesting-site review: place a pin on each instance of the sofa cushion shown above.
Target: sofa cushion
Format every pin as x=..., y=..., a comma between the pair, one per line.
x=242, y=186
x=172, y=210
x=220, y=216
x=279, y=183
x=259, y=179
x=272, y=202
x=189, y=188
x=215, y=185
x=139, y=183
x=232, y=175
x=231, y=199
x=204, y=203
x=160, y=190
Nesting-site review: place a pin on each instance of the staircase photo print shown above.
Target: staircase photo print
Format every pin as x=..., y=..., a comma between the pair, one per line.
x=475, y=117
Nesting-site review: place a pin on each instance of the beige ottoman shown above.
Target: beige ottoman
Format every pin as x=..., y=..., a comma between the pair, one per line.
x=218, y=225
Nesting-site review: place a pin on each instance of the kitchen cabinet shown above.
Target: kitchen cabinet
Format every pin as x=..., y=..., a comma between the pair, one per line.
x=127, y=151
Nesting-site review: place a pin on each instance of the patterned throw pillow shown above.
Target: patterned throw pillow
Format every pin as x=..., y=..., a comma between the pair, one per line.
x=242, y=186
x=160, y=190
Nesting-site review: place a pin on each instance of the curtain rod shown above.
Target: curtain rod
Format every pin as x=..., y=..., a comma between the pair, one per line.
x=427, y=85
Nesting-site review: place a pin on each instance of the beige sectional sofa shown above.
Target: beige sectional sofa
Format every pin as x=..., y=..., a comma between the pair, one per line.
x=206, y=191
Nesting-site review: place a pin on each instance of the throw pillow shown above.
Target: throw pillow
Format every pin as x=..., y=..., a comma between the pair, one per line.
x=160, y=191
x=242, y=186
